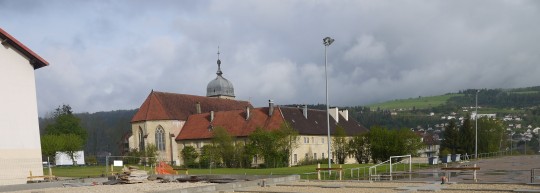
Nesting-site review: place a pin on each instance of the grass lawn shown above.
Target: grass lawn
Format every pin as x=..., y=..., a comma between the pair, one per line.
x=418, y=103
x=96, y=171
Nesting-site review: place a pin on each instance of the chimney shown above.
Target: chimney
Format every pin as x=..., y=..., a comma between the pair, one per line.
x=247, y=113
x=333, y=111
x=345, y=114
x=270, y=107
x=198, y=107
x=305, y=111
x=211, y=116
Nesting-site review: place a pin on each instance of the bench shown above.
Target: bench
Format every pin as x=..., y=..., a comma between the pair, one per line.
x=319, y=169
x=474, y=169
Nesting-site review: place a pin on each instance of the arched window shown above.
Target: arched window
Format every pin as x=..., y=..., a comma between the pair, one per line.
x=160, y=139
x=141, y=139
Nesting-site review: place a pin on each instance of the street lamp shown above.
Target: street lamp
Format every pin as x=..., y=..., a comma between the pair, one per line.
x=476, y=133
x=327, y=41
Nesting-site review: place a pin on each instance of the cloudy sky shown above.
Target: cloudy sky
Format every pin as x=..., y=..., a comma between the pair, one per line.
x=109, y=55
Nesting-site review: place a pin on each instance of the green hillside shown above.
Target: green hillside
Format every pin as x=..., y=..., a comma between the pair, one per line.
x=417, y=103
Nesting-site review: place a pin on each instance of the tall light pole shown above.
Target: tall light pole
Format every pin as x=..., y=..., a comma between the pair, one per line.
x=476, y=133
x=327, y=41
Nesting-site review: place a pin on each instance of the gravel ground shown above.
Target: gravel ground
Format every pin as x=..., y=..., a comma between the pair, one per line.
x=514, y=170
x=344, y=187
x=140, y=187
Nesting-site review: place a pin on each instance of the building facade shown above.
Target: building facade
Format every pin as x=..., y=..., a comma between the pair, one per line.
x=312, y=140
x=162, y=116
x=20, y=147
x=173, y=121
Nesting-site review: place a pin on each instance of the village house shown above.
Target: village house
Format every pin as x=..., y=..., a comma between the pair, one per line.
x=20, y=147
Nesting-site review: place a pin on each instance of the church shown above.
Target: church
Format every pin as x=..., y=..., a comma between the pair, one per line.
x=173, y=121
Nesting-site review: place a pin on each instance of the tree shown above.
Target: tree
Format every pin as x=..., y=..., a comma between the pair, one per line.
x=50, y=144
x=381, y=144
x=490, y=135
x=408, y=142
x=209, y=156
x=467, y=137
x=340, y=145
x=386, y=143
x=243, y=155
x=451, y=137
x=360, y=148
x=286, y=142
x=190, y=155
x=66, y=123
x=71, y=145
x=223, y=141
x=151, y=152
x=275, y=146
x=67, y=143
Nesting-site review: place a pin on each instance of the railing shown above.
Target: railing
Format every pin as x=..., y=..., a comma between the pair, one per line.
x=374, y=173
x=534, y=173
x=358, y=172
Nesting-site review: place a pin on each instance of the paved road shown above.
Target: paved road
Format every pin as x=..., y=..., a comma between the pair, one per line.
x=508, y=169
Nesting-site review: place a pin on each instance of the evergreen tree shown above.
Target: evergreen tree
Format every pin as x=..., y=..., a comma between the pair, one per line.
x=467, y=137
x=451, y=137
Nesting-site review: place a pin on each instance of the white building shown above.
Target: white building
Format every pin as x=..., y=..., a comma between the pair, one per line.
x=20, y=147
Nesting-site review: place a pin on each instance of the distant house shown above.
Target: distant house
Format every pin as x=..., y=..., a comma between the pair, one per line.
x=489, y=116
x=432, y=144
x=20, y=147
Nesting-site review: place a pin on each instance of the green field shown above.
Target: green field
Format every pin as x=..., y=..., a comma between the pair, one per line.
x=418, y=103
x=96, y=171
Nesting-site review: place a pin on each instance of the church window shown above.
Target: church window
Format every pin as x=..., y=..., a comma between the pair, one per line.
x=141, y=139
x=160, y=139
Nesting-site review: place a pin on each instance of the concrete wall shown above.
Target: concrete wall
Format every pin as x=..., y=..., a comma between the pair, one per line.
x=20, y=147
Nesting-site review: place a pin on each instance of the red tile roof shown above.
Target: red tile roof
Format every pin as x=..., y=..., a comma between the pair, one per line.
x=172, y=106
x=234, y=122
x=197, y=126
x=35, y=60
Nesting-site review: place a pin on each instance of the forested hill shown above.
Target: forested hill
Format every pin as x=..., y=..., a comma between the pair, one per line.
x=105, y=129
x=414, y=112
x=499, y=98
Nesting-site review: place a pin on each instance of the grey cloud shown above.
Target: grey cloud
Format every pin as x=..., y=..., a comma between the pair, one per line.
x=109, y=55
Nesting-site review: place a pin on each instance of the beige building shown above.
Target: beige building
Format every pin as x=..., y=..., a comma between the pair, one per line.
x=173, y=121
x=309, y=123
x=20, y=148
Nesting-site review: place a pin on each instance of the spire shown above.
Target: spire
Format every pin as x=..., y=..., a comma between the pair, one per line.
x=219, y=73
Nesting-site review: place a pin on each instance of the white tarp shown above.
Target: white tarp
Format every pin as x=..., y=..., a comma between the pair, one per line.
x=62, y=159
